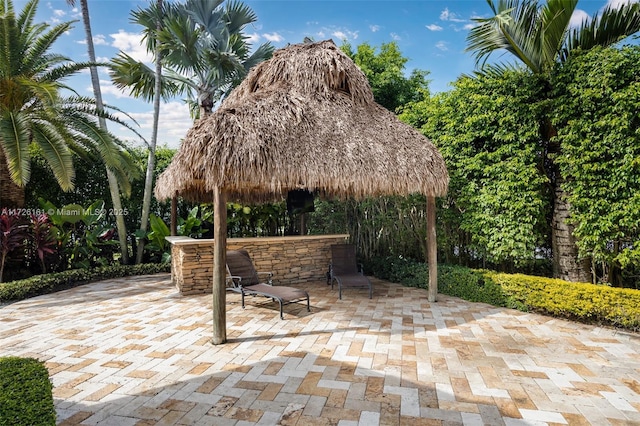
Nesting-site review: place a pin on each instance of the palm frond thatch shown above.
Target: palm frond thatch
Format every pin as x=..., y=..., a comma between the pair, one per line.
x=306, y=118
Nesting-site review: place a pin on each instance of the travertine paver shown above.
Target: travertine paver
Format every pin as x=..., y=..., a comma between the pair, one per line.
x=134, y=352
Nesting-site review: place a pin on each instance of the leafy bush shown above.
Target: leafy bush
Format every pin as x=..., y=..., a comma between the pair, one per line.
x=584, y=302
x=43, y=284
x=580, y=301
x=25, y=393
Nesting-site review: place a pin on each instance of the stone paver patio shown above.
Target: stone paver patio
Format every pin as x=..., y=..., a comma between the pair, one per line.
x=134, y=352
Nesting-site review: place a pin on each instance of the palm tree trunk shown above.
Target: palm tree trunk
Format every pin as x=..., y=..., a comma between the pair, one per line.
x=151, y=160
x=566, y=264
x=113, y=183
x=11, y=195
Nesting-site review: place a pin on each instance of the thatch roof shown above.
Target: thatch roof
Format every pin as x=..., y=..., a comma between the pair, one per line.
x=306, y=118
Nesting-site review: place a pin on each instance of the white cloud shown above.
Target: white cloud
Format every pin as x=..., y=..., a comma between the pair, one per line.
x=577, y=18
x=107, y=88
x=100, y=40
x=374, y=28
x=469, y=26
x=616, y=4
x=446, y=15
x=321, y=34
x=274, y=37
x=174, y=123
x=442, y=45
x=253, y=38
x=345, y=34
x=395, y=37
x=434, y=27
x=131, y=44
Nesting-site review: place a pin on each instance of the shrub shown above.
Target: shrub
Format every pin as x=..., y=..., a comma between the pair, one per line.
x=43, y=284
x=581, y=301
x=470, y=284
x=25, y=393
x=584, y=302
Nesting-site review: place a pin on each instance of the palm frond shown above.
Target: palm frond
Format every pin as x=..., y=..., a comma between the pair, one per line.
x=89, y=108
x=205, y=13
x=42, y=44
x=42, y=94
x=555, y=19
x=149, y=18
x=605, y=29
x=28, y=14
x=494, y=70
x=129, y=74
x=180, y=43
x=238, y=16
x=10, y=51
x=14, y=141
x=56, y=153
x=65, y=70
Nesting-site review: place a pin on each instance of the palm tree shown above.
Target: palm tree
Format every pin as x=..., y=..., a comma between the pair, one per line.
x=205, y=53
x=97, y=93
x=33, y=110
x=539, y=36
x=155, y=12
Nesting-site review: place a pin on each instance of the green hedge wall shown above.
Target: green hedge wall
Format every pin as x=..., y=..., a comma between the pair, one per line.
x=25, y=393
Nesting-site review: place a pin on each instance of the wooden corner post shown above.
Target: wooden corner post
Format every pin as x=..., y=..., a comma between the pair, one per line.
x=219, y=267
x=432, y=248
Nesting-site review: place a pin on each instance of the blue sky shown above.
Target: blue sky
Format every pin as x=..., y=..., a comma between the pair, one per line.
x=431, y=33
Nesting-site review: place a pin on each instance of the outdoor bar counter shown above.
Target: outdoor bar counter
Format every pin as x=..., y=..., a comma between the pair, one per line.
x=292, y=259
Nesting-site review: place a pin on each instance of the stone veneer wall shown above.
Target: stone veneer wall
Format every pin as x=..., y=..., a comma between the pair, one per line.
x=293, y=260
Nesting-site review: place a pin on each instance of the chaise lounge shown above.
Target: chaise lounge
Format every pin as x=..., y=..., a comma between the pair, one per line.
x=243, y=278
x=346, y=271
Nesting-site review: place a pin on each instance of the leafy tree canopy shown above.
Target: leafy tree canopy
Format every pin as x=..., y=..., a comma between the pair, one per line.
x=385, y=70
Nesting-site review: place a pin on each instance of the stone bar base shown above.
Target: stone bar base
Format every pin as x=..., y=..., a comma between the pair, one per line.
x=293, y=260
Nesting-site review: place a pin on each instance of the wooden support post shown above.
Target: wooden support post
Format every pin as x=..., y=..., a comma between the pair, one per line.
x=219, y=267
x=174, y=214
x=432, y=248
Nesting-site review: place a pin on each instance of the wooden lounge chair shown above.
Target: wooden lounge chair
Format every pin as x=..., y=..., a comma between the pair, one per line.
x=345, y=270
x=243, y=278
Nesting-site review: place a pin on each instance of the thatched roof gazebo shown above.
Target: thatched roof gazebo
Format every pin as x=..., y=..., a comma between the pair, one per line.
x=305, y=119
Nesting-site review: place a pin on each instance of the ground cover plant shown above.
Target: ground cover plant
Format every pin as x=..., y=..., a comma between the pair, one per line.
x=25, y=393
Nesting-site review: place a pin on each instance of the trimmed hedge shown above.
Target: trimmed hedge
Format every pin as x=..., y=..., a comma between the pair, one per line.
x=49, y=283
x=589, y=303
x=25, y=393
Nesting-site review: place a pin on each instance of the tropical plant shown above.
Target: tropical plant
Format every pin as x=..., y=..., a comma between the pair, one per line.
x=33, y=110
x=111, y=178
x=43, y=239
x=539, y=36
x=84, y=238
x=205, y=53
x=13, y=233
x=156, y=237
